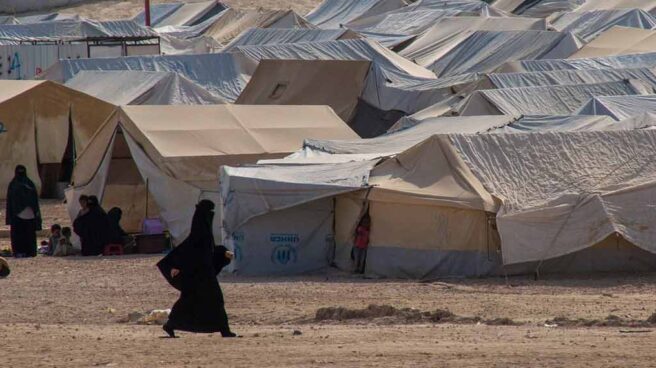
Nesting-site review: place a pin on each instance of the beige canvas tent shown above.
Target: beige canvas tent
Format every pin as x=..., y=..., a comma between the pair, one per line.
x=619, y=41
x=45, y=123
x=335, y=83
x=152, y=160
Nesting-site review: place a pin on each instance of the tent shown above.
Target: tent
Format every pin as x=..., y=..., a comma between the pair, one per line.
x=570, y=77
x=646, y=5
x=69, y=31
x=332, y=14
x=180, y=14
x=484, y=51
x=646, y=60
x=268, y=36
x=335, y=83
x=142, y=88
x=563, y=193
x=619, y=41
x=230, y=23
x=588, y=25
x=478, y=205
x=551, y=123
x=151, y=160
x=224, y=75
x=548, y=100
x=45, y=123
x=447, y=33
x=280, y=219
x=389, y=74
x=619, y=107
x=537, y=8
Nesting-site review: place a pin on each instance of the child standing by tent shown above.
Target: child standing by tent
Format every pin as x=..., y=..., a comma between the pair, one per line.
x=361, y=243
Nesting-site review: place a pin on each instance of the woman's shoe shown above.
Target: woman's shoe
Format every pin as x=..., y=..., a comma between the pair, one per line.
x=169, y=330
x=228, y=334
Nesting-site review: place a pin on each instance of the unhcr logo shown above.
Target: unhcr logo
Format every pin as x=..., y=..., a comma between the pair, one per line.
x=284, y=238
x=283, y=255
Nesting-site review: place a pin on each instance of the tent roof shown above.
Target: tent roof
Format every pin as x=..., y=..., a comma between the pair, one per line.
x=647, y=5
x=335, y=83
x=399, y=141
x=483, y=51
x=619, y=107
x=646, y=60
x=448, y=32
x=212, y=130
x=73, y=30
x=224, y=74
x=141, y=88
x=267, y=36
x=568, y=123
x=548, y=100
x=332, y=14
x=619, y=41
x=588, y=25
x=571, y=77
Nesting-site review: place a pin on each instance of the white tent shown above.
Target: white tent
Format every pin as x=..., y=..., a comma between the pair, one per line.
x=588, y=25
x=484, y=51
x=619, y=41
x=447, y=33
x=172, y=154
x=141, y=88
x=332, y=14
x=269, y=36
x=646, y=60
x=224, y=75
x=551, y=123
x=548, y=100
x=571, y=77
x=619, y=107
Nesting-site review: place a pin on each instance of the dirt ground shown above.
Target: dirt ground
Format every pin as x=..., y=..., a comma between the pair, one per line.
x=69, y=313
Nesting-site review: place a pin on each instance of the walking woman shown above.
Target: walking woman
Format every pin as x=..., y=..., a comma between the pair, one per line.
x=192, y=268
x=23, y=214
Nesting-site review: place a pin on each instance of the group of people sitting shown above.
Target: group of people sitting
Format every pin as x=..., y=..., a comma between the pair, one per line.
x=95, y=227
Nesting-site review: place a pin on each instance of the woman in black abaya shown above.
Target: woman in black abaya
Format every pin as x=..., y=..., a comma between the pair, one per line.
x=92, y=226
x=192, y=268
x=23, y=214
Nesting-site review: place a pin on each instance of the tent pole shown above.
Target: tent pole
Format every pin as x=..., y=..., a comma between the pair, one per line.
x=147, y=12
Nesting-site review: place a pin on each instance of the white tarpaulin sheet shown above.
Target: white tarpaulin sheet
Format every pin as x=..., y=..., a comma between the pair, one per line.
x=268, y=36
x=332, y=14
x=549, y=100
x=619, y=107
x=73, y=30
x=647, y=5
x=565, y=192
x=142, y=88
x=571, y=77
x=224, y=75
x=451, y=31
x=532, y=124
x=588, y=25
x=402, y=140
x=646, y=60
x=544, y=8
x=249, y=192
x=483, y=51
x=465, y=7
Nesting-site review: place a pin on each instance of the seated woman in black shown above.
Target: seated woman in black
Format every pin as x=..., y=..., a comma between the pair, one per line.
x=92, y=227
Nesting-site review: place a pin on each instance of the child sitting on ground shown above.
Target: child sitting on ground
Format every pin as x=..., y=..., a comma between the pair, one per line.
x=55, y=236
x=65, y=247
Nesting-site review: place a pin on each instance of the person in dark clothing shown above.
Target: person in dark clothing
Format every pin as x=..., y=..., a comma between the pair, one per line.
x=192, y=268
x=23, y=214
x=92, y=227
x=116, y=234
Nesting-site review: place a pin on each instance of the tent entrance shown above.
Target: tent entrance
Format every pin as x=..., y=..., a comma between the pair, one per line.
x=55, y=177
x=125, y=187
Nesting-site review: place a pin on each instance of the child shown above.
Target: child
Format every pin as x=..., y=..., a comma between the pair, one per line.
x=65, y=247
x=55, y=236
x=361, y=243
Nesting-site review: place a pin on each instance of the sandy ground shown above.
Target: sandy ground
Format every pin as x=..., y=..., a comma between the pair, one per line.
x=68, y=313
x=119, y=9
